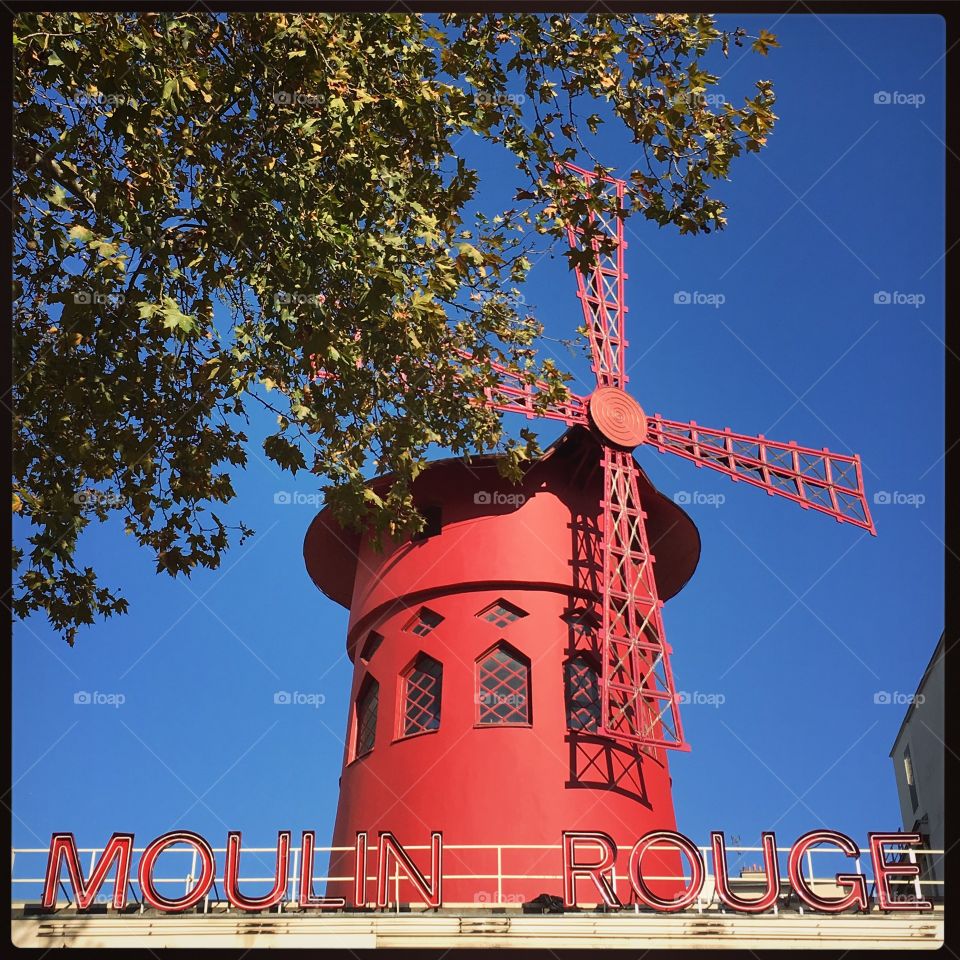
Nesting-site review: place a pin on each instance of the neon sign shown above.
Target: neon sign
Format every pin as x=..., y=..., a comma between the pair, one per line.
x=587, y=857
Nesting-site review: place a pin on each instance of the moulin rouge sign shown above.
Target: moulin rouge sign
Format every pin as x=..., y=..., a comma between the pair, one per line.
x=587, y=857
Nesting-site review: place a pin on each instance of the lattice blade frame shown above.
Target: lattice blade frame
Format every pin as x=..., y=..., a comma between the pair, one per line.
x=639, y=702
x=601, y=288
x=831, y=483
x=513, y=395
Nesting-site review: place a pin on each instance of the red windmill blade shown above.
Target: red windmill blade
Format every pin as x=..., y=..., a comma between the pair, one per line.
x=513, y=395
x=600, y=287
x=816, y=479
x=639, y=699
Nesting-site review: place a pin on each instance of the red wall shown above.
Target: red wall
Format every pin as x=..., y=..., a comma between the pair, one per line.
x=490, y=784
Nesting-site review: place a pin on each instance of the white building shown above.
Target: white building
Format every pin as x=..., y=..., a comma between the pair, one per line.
x=918, y=763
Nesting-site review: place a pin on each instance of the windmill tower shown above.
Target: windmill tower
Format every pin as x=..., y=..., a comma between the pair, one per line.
x=512, y=679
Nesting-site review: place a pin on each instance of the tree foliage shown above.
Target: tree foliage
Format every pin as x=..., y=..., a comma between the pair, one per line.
x=210, y=209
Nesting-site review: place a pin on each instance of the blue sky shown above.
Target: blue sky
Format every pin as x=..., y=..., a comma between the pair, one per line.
x=796, y=622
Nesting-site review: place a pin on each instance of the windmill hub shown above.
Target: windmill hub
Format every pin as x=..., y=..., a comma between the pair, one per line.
x=617, y=417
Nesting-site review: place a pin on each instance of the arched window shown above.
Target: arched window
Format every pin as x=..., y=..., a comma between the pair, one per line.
x=365, y=720
x=421, y=689
x=503, y=686
x=582, y=694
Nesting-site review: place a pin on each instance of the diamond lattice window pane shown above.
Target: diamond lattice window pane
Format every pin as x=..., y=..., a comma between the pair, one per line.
x=583, y=695
x=422, y=690
x=501, y=614
x=503, y=694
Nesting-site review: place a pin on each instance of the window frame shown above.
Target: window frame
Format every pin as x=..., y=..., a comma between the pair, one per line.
x=520, y=657
x=419, y=618
x=368, y=683
x=593, y=663
x=401, y=712
x=502, y=602
x=910, y=776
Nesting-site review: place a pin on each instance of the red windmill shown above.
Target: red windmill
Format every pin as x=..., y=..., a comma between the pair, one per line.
x=632, y=713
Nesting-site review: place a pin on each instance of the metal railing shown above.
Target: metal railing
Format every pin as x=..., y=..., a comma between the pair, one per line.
x=28, y=889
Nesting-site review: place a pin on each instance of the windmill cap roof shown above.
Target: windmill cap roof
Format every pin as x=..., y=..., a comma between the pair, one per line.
x=331, y=550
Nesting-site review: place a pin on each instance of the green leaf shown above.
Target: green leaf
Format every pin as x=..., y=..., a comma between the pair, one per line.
x=279, y=449
x=80, y=232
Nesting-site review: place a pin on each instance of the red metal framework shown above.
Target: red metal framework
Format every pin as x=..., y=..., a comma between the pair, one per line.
x=638, y=699
x=829, y=482
x=639, y=703
x=601, y=288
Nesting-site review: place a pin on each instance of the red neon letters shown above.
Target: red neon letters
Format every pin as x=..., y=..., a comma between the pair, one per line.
x=587, y=856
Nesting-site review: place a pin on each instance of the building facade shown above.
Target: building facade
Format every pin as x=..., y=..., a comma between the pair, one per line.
x=918, y=764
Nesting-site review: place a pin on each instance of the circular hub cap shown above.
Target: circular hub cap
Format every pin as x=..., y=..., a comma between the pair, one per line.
x=618, y=417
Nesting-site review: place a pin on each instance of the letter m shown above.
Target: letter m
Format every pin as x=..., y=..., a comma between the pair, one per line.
x=64, y=847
